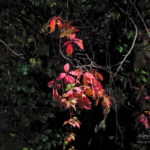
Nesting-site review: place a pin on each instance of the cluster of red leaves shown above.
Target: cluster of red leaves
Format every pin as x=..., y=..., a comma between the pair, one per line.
x=76, y=88
x=68, y=31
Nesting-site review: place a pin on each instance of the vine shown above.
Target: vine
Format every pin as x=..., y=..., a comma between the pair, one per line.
x=78, y=88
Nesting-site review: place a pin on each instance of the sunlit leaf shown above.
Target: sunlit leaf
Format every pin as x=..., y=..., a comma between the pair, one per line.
x=88, y=75
x=66, y=32
x=61, y=76
x=52, y=25
x=66, y=67
x=50, y=84
x=69, y=49
x=79, y=43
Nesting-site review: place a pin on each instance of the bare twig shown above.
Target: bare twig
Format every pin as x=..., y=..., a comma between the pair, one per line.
x=131, y=48
x=140, y=18
x=11, y=50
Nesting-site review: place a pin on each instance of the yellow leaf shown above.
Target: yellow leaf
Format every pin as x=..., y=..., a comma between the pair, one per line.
x=66, y=32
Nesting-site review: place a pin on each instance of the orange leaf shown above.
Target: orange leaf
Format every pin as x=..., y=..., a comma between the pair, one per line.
x=73, y=122
x=106, y=103
x=88, y=92
x=70, y=137
x=52, y=25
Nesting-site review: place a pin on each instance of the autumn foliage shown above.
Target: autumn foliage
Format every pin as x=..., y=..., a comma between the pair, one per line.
x=68, y=31
x=77, y=88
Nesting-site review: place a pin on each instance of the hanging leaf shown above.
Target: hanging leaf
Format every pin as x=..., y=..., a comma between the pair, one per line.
x=66, y=67
x=55, y=21
x=51, y=83
x=52, y=25
x=69, y=79
x=66, y=32
x=72, y=36
x=70, y=137
x=73, y=122
x=66, y=43
x=69, y=49
x=61, y=76
x=99, y=76
x=59, y=24
x=88, y=75
x=79, y=43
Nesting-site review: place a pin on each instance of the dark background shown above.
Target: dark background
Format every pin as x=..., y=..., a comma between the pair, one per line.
x=29, y=58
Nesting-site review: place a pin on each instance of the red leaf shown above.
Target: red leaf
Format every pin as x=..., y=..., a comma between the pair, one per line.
x=66, y=43
x=144, y=120
x=52, y=25
x=72, y=36
x=99, y=76
x=99, y=86
x=59, y=24
x=53, y=21
x=88, y=75
x=55, y=94
x=51, y=84
x=66, y=67
x=69, y=79
x=73, y=122
x=147, y=97
x=73, y=73
x=79, y=72
x=93, y=92
x=61, y=76
x=70, y=93
x=69, y=49
x=78, y=90
x=84, y=103
x=79, y=43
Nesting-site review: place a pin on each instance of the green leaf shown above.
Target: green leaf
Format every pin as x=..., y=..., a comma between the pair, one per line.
x=115, y=16
x=51, y=115
x=32, y=90
x=144, y=80
x=18, y=88
x=130, y=35
x=136, y=70
x=26, y=122
x=83, y=1
x=120, y=49
x=69, y=86
x=48, y=131
x=12, y=134
x=44, y=137
x=25, y=148
x=144, y=72
x=49, y=72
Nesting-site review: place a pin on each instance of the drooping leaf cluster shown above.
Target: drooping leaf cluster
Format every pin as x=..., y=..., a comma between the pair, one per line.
x=30, y=57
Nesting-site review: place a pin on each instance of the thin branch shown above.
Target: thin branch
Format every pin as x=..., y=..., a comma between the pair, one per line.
x=131, y=48
x=140, y=18
x=11, y=50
